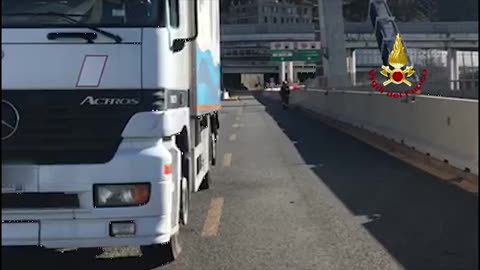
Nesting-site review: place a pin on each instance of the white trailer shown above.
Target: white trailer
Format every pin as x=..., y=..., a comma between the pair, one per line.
x=109, y=120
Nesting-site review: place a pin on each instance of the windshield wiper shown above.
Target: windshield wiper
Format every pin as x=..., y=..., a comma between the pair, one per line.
x=69, y=18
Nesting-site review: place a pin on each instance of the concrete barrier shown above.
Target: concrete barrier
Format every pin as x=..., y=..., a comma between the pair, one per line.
x=446, y=128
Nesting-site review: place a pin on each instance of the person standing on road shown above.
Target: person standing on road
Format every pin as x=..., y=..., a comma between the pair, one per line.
x=285, y=94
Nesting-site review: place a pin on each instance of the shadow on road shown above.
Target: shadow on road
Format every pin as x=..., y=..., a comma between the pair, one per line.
x=23, y=259
x=423, y=223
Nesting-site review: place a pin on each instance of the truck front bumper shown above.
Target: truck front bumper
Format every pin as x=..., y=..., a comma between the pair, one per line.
x=87, y=233
x=86, y=225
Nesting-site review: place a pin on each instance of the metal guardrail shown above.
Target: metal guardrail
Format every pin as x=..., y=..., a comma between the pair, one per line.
x=352, y=28
x=236, y=29
x=420, y=27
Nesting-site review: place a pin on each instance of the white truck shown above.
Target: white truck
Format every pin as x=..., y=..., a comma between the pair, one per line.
x=109, y=120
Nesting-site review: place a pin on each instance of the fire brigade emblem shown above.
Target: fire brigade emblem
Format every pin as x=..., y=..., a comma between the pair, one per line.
x=397, y=59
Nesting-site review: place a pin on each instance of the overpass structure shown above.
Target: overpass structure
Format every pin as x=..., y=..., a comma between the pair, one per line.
x=421, y=35
x=431, y=35
x=245, y=48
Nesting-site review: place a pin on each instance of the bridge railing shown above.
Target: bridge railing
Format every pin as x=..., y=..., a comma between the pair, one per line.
x=469, y=27
x=236, y=29
x=419, y=27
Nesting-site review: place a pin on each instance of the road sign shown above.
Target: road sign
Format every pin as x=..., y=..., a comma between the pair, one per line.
x=307, y=55
x=290, y=55
x=307, y=45
x=305, y=51
x=282, y=55
x=282, y=45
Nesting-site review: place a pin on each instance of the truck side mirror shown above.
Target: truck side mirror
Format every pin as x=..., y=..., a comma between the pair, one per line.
x=178, y=45
x=181, y=22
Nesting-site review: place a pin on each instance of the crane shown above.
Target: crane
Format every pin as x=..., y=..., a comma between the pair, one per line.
x=385, y=29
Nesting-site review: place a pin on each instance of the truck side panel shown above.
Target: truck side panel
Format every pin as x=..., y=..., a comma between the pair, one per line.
x=207, y=51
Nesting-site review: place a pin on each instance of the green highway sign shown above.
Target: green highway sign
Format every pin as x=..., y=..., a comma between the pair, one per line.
x=282, y=55
x=286, y=51
x=295, y=55
x=307, y=55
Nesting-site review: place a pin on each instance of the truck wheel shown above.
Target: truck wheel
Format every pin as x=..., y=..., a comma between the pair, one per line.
x=163, y=253
x=213, y=149
x=185, y=201
x=184, y=191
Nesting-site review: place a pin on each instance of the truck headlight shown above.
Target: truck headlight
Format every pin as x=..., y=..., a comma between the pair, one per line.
x=117, y=195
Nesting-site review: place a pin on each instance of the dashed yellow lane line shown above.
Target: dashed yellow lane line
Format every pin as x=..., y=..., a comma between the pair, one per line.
x=232, y=137
x=212, y=222
x=227, y=159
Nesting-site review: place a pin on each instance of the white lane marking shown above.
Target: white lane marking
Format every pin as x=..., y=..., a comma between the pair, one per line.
x=233, y=137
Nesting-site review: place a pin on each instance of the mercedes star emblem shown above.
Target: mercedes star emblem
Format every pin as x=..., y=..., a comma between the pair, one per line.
x=10, y=119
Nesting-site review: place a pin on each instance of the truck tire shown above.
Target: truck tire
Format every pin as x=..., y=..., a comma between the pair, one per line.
x=213, y=149
x=185, y=190
x=161, y=254
x=184, y=201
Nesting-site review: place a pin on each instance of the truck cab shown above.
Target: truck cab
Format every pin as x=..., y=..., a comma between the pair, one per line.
x=109, y=120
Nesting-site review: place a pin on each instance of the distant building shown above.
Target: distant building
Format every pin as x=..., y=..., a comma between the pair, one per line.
x=269, y=12
x=246, y=60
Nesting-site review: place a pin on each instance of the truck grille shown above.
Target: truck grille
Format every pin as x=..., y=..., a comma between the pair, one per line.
x=53, y=127
x=39, y=200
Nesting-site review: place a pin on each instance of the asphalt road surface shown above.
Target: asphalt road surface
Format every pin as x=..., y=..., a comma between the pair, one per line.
x=291, y=193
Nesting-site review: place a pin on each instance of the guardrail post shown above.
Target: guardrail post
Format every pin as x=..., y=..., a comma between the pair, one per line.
x=453, y=69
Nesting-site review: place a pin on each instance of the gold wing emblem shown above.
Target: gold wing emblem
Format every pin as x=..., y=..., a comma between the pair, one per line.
x=397, y=59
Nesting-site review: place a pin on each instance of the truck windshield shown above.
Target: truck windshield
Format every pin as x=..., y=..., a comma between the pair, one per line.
x=97, y=13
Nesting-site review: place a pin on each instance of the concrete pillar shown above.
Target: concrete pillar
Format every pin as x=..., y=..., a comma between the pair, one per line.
x=453, y=69
x=290, y=71
x=332, y=35
x=281, y=75
x=349, y=64
x=353, y=67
